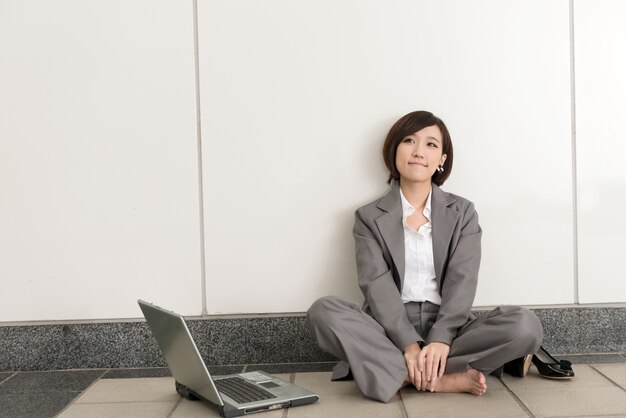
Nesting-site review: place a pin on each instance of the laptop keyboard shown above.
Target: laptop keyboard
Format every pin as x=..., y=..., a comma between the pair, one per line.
x=241, y=390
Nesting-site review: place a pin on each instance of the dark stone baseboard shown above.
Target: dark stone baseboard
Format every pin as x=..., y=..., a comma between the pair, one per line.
x=255, y=340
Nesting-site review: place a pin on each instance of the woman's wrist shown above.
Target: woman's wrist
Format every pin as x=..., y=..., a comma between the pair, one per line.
x=414, y=346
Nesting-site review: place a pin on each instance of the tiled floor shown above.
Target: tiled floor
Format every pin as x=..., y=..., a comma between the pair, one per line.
x=599, y=389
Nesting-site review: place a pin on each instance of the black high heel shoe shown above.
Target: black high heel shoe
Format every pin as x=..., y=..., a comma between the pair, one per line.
x=519, y=367
x=551, y=368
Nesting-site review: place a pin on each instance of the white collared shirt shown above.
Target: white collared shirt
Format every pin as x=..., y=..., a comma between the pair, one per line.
x=419, y=266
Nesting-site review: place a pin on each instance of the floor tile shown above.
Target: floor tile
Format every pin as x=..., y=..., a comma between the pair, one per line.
x=115, y=410
x=4, y=376
x=494, y=404
x=593, y=358
x=192, y=409
x=39, y=405
x=320, y=383
x=154, y=389
x=615, y=372
x=43, y=394
x=133, y=373
x=55, y=381
x=586, y=377
x=574, y=402
x=348, y=406
x=493, y=383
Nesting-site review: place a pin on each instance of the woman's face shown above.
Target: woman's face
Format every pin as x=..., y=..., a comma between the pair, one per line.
x=419, y=154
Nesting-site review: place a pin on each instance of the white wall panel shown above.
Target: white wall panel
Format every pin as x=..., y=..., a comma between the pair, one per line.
x=601, y=146
x=297, y=98
x=513, y=142
x=98, y=176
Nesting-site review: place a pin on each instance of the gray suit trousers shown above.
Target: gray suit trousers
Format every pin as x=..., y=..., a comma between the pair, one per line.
x=485, y=343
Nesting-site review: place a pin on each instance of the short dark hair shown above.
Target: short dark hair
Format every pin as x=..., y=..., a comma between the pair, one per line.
x=408, y=125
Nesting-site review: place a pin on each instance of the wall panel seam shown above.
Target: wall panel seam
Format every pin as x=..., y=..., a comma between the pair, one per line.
x=574, y=153
x=199, y=153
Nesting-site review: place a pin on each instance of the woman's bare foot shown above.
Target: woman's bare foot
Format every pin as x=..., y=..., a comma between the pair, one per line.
x=470, y=381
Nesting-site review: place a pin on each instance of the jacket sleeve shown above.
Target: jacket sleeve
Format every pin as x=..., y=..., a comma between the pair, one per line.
x=460, y=281
x=377, y=284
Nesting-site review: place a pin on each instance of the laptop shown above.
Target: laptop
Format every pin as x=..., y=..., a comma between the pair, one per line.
x=236, y=394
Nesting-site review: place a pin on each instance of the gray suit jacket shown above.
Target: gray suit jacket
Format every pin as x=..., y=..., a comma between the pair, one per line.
x=379, y=237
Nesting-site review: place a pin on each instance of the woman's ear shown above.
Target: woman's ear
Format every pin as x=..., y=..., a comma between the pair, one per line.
x=443, y=159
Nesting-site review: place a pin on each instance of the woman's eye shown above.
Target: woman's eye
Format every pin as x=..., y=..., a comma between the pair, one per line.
x=408, y=141
x=432, y=145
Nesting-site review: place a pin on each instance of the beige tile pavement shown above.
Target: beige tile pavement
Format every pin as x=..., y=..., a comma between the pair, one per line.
x=494, y=404
x=320, y=383
x=341, y=399
x=348, y=406
x=615, y=372
x=139, y=397
x=573, y=402
x=116, y=410
x=148, y=389
x=586, y=377
x=190, y=409
x=591, y=393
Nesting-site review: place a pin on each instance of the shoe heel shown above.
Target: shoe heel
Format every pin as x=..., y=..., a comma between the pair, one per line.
x=528, y=360
x=520, y=366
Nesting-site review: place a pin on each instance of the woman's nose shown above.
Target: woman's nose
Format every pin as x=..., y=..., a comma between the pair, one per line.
x=417, y=151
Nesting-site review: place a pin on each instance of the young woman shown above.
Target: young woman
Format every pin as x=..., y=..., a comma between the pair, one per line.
x=418, y=254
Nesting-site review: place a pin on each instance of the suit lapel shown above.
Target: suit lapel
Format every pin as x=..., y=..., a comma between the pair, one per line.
x=443, y=220
x=390, y=227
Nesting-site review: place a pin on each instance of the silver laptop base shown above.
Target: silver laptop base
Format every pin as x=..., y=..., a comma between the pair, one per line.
x=227, y=412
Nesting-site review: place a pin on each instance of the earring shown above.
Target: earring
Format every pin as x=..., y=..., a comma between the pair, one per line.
x=440, y=168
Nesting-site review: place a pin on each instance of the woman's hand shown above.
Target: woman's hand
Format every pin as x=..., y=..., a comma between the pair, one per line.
x=412, y=358
x=433, y=359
